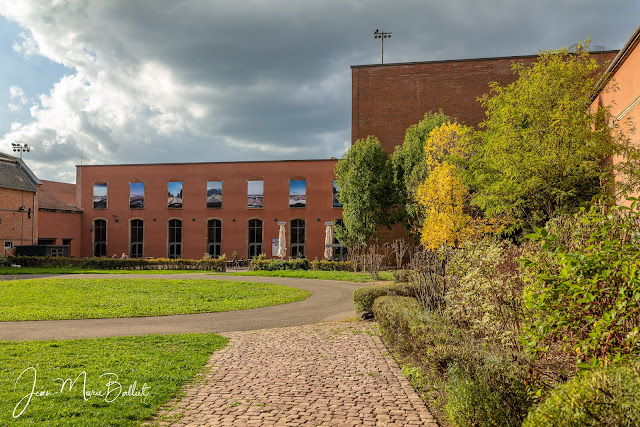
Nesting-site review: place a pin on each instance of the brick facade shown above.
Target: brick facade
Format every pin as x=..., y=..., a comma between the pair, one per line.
x=234, y=213
x=19, y=226
x=387, y=99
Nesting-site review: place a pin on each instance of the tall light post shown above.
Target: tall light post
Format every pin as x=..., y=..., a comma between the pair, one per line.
x=377, y=34
x=21, y=148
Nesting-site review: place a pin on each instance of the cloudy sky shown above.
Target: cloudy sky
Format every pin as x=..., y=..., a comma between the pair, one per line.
x=179, y=81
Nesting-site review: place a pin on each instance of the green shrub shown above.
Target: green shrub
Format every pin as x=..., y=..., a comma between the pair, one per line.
x=259, y=263
x=4, y=262
x=492, y=392
x=600, y=397
x=590, y=304
x=363, y=298
x=218, y=264
x=324, y=265
x=485, y=295
x=401, y=276
x=430, y=345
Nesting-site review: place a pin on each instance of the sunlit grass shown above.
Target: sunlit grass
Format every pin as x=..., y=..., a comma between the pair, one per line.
x=55, y=298
x=161, y=363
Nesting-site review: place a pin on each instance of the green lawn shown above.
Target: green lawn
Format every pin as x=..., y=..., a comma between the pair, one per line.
x=11, y=271
x=54, y=298
x=348, y=276
x=162, y=363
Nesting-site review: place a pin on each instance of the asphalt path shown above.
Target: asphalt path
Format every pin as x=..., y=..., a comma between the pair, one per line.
x=329, y=300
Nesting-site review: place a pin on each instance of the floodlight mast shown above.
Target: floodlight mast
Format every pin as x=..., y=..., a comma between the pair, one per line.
x=20, y=148
x=377, y=34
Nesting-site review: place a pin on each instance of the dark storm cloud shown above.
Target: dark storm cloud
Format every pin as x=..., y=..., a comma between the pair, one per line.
x=183, y=81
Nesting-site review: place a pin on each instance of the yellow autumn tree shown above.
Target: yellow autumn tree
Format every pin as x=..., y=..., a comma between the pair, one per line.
x=443, y=196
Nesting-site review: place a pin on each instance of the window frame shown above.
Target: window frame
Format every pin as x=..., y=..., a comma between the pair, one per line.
x=254, y=244
x=255, y=180
x=334, y=184
x=174, y=244
x=131, y=242
x=211, y=243
x=94, y=235
x=181, y=191
x=297, y=245
x=143, y=194
x=305, y=192
x=93, y=195
x=221, y=194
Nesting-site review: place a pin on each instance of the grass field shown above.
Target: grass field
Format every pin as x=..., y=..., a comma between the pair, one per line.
x=348, y=276
x=11, y=271
x=54, y=298
x=162, y=363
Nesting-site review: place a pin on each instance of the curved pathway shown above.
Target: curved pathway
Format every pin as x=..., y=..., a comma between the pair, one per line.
x=330, y=300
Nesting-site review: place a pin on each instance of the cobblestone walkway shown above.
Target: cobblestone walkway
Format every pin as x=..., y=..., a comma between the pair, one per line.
x=328, y=374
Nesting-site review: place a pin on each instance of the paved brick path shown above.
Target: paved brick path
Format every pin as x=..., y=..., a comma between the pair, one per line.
x=329, y=374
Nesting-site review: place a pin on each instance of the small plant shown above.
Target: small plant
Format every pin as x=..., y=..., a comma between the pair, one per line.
x=399, y=248
x=429, y=277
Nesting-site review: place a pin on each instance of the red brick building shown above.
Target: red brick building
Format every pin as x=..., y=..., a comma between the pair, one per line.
x=388, y=98
x=59, y=219
x=18, y=204
x=189, y=209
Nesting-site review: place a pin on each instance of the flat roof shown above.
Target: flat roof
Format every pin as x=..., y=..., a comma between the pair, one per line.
x=333, y=159
x=466, y=60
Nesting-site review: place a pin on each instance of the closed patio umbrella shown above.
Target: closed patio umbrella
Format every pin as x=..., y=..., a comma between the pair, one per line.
x=328, y=240
x=282, y=245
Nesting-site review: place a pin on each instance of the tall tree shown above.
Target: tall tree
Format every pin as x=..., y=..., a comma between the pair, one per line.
x=410, y=169
x=543, y=151
x=367, y=193
x=443, y=197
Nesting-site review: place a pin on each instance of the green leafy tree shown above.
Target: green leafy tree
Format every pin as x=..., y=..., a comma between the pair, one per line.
x=543, y=151
x=410, y=169
x=367, y=193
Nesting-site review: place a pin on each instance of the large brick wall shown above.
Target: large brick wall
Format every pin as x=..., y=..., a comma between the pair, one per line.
x=387, y=99
x=18, y=226
x=234, y=212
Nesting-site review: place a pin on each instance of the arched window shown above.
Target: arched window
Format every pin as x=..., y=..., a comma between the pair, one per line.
x=255, y=237
x=175, y=238
x=214, y=237
x=339, y=252
x=298, y=238
x=137, y=238
x=100, y=237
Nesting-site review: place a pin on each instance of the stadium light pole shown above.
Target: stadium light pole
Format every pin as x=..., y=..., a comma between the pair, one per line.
x=21, y=148
x=377, y=34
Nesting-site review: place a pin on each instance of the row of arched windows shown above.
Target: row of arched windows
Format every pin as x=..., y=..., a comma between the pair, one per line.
x=214, y=238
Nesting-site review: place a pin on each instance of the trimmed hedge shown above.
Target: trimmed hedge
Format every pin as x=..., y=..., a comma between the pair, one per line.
x=261, y=264
x=219, y=264
x=363, y=298
x=601, y=397
x=324, y=265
